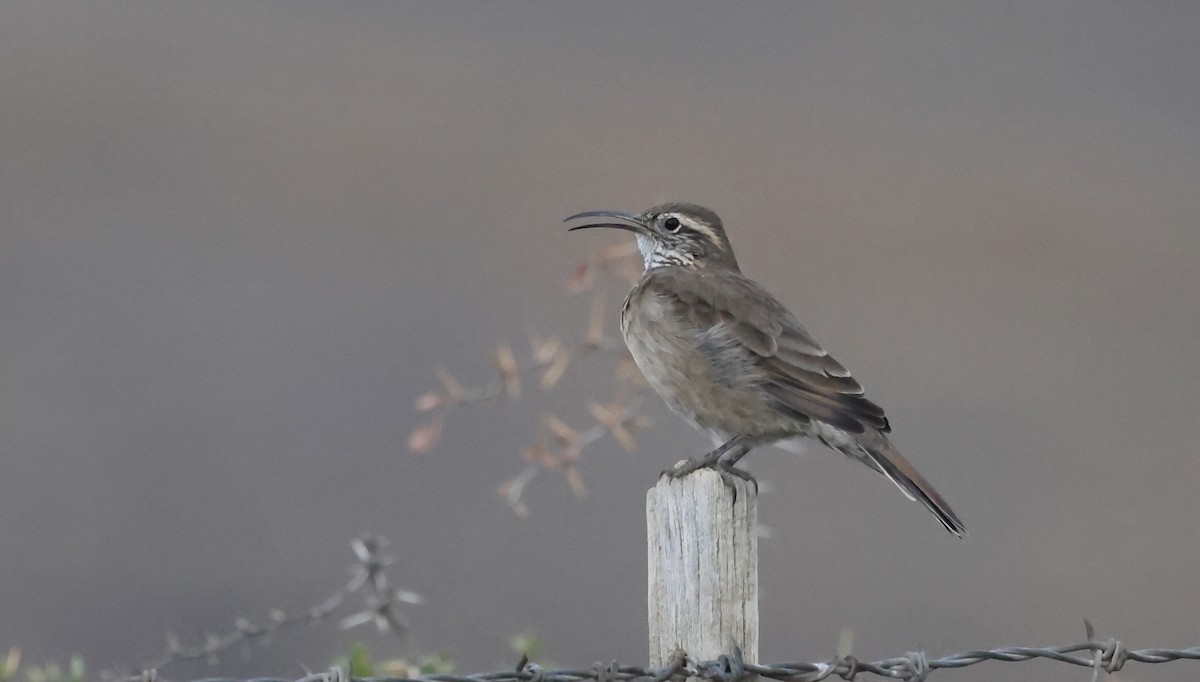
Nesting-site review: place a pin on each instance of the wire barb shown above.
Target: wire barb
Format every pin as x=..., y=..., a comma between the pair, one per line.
x=915, y=666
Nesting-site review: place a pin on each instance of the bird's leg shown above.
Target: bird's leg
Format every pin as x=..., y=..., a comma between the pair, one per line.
x=721, y=460
x=731, y=456
x=707, y=461
x=729, y=473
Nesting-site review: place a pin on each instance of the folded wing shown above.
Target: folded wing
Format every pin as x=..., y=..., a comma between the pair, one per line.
x=798, y=374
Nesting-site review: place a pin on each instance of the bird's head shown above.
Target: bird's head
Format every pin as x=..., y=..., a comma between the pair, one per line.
x=685, y=235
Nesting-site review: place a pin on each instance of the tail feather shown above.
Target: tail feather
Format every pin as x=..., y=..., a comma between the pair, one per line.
x=886, y=459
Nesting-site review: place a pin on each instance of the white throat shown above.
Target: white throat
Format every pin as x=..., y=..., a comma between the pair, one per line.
x=655, y=256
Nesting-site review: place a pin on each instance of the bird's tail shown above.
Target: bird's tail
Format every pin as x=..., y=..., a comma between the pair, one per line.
x=885, y=458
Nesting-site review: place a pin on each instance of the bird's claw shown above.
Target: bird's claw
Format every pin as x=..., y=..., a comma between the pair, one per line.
x=729, y=473
x=689, y=466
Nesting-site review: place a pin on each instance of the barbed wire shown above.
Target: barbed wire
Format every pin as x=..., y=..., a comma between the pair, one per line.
x=368, y=577
x=551, y=357
x=1107, y=657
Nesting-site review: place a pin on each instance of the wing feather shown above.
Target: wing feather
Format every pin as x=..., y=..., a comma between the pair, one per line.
x=799, y=375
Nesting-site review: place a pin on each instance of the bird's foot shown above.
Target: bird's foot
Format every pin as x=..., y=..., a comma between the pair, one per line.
x=729, y=473
x=690, y=466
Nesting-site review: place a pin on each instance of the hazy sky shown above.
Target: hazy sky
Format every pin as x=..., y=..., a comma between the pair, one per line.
x=236, y=238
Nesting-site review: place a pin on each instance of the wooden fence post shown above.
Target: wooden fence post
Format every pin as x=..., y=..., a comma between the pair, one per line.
x=703, y=567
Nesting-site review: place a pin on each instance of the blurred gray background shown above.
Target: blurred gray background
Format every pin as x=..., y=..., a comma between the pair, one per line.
x=235, y=239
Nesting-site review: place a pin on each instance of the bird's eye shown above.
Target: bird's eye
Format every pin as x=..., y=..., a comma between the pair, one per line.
x=672, y=224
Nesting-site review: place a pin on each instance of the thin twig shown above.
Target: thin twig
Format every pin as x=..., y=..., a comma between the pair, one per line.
x=368, y=578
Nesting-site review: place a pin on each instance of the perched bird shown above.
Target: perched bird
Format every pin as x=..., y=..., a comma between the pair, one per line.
x=729, y=358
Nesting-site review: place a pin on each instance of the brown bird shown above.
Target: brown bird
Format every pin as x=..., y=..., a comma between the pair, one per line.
x=729, y=358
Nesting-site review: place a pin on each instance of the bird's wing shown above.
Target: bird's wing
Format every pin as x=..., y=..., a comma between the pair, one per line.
x=798, y=373
x=802, y=378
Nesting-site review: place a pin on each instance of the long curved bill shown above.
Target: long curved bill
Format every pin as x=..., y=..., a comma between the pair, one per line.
x=632, y=222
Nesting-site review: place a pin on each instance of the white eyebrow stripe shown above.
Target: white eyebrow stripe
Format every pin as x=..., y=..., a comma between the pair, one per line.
x=700, y=227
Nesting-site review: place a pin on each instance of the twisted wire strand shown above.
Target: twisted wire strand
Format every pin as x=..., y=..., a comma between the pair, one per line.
x=1109, y=656
x=370, y=580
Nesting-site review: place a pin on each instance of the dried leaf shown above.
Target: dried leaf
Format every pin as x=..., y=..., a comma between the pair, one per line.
x=454, y=390
x=506, y=362
x=612, y=418
x=543, y=350
x=582, y=279
x=575, y=481
x=429, y=401
x=425, y=437
x=556, y=369
x=540, y=454
x=531, y=454
x=564, y=434
x=595, y=329
x=599, y=413
x=603, y=414
x=625, y=437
